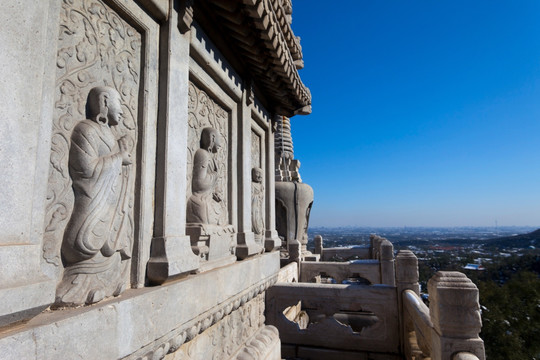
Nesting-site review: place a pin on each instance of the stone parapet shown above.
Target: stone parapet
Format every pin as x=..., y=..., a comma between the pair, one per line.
x=338, y=317
x=450, y=327
x=142, y=322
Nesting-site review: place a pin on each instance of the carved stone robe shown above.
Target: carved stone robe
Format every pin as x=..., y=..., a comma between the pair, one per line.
x=257, y=213
x=202, y=208
x=95, y=244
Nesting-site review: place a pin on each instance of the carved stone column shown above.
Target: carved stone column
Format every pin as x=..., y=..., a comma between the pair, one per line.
x=171, y=252
x=455, y=314
x=246, y=239
x=271, y=241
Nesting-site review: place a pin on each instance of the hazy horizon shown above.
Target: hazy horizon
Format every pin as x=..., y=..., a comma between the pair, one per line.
x=426, y=227
x=424, y=113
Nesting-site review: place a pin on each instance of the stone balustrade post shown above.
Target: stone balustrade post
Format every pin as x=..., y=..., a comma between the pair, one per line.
x=406, y=279
x=374, y=250
x=295, y=253
x=387, y=263
x=455, y=314
x=318, y=244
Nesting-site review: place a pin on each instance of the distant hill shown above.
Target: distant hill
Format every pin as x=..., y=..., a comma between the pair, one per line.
x=522, y=241
x=516, y=241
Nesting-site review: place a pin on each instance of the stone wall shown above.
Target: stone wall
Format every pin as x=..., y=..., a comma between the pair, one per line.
x=138, y=213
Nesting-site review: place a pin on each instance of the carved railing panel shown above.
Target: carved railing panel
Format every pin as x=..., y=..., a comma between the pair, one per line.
x=363, y=318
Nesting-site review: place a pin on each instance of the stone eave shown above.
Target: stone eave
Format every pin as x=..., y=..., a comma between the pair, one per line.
x=260, y=31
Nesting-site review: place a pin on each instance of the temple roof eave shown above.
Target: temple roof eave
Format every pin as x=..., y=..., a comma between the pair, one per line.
x=261, y=32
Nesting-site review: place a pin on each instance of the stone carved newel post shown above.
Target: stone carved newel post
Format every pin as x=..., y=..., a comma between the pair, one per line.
x=455, y=314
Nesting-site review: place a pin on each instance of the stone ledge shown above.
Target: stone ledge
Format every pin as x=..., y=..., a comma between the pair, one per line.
x=140, y=318
x=26, y=300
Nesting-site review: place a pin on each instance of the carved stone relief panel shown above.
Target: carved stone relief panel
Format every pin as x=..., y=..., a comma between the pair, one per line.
x=255, y=150
x=93, y=151
x=257, y=188
x=207, y=159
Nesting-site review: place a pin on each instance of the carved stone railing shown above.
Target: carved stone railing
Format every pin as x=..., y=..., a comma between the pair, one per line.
x=450, y=327
x=335, y=317
x=375, y=264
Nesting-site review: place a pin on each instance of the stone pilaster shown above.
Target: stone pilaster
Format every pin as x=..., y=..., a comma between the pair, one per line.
x=271, y=238
x=171, y=253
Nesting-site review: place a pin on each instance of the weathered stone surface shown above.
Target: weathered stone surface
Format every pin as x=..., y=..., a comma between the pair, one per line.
x=25, y=140
x=339, y=271
x=293, y=206
x=318, y=240
x=288, y=273
x=85, y=186
x=326, y=354
x=208, y=154
x=111, y=328
x=257, y=205
x=231, y=336
x=455, y=313
x=96, y=246
x=346, y=253
x=171, y=248
x=454, y=306
x=363, y=318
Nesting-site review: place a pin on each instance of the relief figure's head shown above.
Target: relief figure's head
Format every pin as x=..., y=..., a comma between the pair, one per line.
x=103, y=105
x=257, y=175
x=210, y=140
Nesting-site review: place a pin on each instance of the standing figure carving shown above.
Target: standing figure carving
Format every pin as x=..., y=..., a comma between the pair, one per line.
x=95, y=249
x=257, y=204
x=203, y=206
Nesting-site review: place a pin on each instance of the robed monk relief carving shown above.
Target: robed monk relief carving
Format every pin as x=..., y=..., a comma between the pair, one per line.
x=95, y=248
x=204, y=204
x=207, y=209
x=257, y=204
x=96, y=47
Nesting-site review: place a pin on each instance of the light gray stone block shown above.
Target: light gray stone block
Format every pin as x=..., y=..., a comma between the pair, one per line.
x=112, y=329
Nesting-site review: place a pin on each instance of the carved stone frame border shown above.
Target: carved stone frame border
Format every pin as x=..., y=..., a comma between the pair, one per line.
x=203, y=82
x=146, y=147
x=147, y=128
x=262, y=121
x=258, y=127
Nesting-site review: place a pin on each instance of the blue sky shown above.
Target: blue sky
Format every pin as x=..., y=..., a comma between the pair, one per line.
x=425, y=113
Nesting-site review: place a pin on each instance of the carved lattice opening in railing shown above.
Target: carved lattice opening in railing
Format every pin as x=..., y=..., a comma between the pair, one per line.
x=307, y=318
